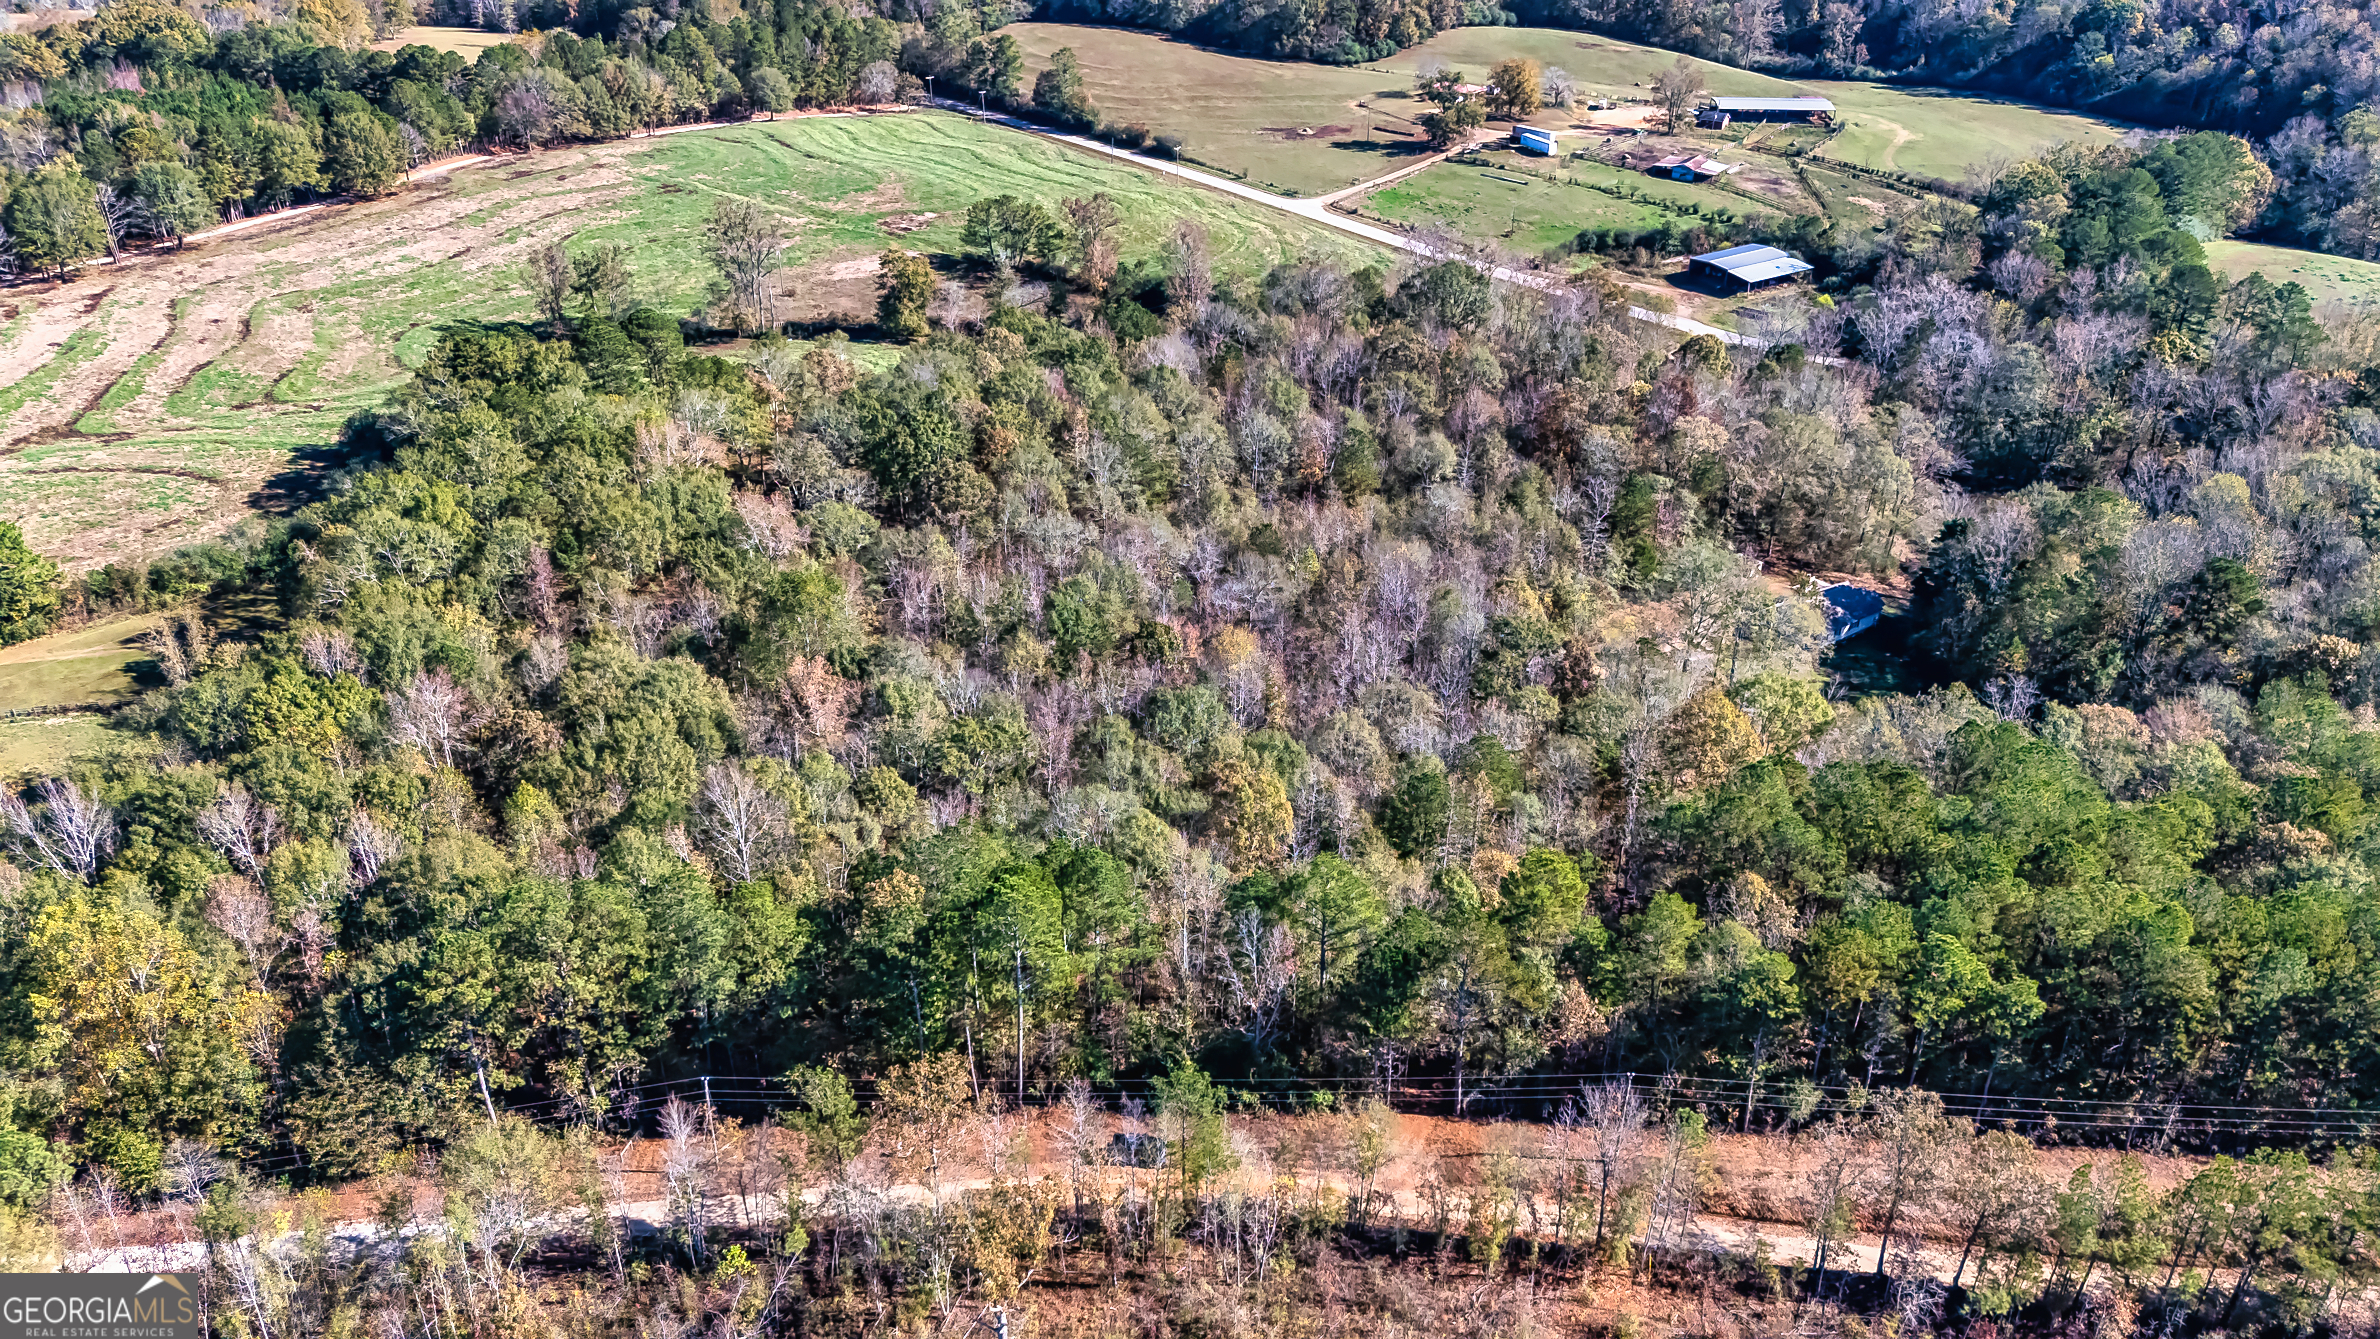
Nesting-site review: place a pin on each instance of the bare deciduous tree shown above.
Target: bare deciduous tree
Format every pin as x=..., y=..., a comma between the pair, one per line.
x=1616, y=1113
x=1678, y=89
x=1915, y=1141
x=548, y=274
x=71, y=832
x=371, y=844
x=242, y=827
x=685, y=1169
x=740, y=824
x=119, y=214
x=747, y=246
x=1189, y=270
x=433, y=713
x=237, y=907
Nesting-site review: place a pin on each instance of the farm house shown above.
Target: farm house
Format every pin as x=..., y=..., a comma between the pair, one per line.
x=1817, y=111
x=1532, y=139
x=1750, y=265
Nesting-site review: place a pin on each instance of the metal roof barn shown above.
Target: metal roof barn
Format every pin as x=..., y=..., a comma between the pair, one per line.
x=1790, y=106
x=1750, y=265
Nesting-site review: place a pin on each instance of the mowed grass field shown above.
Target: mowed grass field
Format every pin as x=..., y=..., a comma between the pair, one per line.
x=1928, y=132
x=2328, y=278
x=155, y=403
x=1530, y=214
x=469, y=41
x=1303, y=127
x=92, y=665
x=1308, y=129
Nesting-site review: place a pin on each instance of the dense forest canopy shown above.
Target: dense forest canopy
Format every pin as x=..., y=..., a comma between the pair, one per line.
x=1312, y=674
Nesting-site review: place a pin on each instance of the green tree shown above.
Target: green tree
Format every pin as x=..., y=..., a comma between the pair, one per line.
x=172, y=199
x=1058, y=91
x=362, y=155
x=53, y=220
x=1199, y=1142
x=28, y=588
x=1414, y=816
x=288, y=160
x=1004, y=230
x=1023, y=949
x=904, y=286
x=1449, y=124
x=996, y=66
x=772, y=90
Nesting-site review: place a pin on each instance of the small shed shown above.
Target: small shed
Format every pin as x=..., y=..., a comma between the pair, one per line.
x=1690, y=167
x=1533, y=139
x=1815, y=110
x=1750, y=265
x=1850, y=610
x=1711, y=118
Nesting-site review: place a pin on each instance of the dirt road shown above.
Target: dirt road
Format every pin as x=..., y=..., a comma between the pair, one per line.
x=1319, y=210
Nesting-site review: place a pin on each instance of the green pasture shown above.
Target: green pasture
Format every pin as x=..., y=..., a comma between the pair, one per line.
x=1529, y=214
x=1924, y=131
x=1604, y=67
x=1930, y=132
x=87, y=667
x=1285, y=124
x=43, y=746
x=1312, y=129
x=2328, y=278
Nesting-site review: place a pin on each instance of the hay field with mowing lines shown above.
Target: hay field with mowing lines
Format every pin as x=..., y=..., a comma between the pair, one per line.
x=1604, y=67
x=2328, y=278
x=153, y=404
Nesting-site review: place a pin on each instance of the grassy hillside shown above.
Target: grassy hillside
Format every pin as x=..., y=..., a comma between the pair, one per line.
x=1313, y=129
x=152, y=405
x=1310, y=129
x=2329, y=278
x=1937, y=133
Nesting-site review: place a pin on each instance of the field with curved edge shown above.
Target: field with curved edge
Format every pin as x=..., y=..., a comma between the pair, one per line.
x=1312, y=129
x=154, y=403
x=2326, y=277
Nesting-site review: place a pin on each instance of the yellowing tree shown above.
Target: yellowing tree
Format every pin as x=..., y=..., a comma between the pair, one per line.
x=1709, y=738
x=146, y=1039
x=1517, y=88
x=1252, y=814
x=341, y=22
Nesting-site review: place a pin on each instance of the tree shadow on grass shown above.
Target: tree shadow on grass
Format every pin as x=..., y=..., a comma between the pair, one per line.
x=307, y=477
